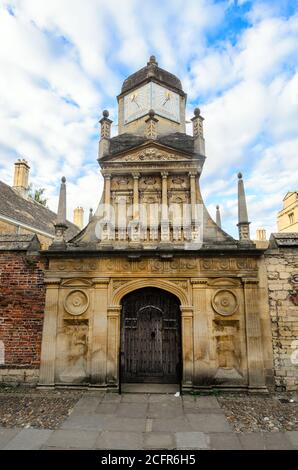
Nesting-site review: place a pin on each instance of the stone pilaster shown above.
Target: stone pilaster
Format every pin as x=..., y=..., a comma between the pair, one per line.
x=164, y=208
x=187, y=346
x=202, y=337
x=136, y=177
x=99, y=332
x=113, y=345
x=49, y=335
x=107, y=178
x=192, y=185
x=255, y=361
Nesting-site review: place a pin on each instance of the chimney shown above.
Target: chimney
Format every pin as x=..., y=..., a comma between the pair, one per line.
x=21, y=176
x=78, y=217
x=198, y=132
x=261, y=234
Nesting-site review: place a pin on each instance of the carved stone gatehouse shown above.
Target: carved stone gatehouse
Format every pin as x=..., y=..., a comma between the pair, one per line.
x=152, y=289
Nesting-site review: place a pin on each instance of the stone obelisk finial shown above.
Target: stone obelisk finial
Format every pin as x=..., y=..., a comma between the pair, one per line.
x=218, y=217
x=60, y=225
x=243, y=223
x=90, y=214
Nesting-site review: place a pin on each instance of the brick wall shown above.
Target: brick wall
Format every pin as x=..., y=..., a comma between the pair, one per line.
x=22, y=296
x=282, y=269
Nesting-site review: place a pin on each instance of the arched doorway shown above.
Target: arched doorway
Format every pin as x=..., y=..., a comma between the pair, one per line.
x=150, y=337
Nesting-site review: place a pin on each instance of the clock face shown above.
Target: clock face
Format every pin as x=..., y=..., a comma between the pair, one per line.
x=137, y=103
x=165, y=102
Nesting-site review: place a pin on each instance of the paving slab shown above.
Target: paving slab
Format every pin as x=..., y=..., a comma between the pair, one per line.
x=89, y=422
x=135, y=398
x=252, y=441
x=165, y=410
x=179, y=424
x=201, y=402
x=192, y=440
x=114, y=423
x=119, y=440
x=292, y=436
x=159, y=440
x=160, y=398
x=29, y=439
x=277, y=441
x=6, y=434
x=111, y=398
x=224, y=441
x=132, y=410
x=75, y=439
x=87, y=405
x=150, y=388
x=208, y=422
x=107, y=408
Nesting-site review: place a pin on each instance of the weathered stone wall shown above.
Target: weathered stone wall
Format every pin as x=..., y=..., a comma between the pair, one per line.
x=282, y=269
x=22, y=296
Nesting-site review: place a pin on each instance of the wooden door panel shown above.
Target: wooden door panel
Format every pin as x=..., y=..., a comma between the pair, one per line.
x=150, y=337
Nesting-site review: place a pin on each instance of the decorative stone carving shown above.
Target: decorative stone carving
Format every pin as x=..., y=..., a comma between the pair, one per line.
x=76, y=302
x=75, y=349
x=224, y=302
x=120, y=182
x=151, y=154
x=118, y=283
x=182, y=284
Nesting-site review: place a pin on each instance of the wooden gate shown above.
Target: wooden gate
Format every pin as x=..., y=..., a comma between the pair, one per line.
x=150, y=337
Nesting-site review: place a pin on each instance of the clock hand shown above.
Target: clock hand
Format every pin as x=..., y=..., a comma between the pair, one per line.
x=167, y=99
x=134, y=99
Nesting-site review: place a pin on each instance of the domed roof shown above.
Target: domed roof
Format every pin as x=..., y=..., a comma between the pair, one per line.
x=152, y=72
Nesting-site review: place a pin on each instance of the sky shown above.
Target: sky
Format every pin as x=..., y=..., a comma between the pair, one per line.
x=63, y=61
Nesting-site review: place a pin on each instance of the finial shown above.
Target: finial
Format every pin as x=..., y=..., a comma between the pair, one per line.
x=243, y=223
x=90, y=213
x=151, y=121
x=61, y=225
x=105, y=113
x=152, y=60
x=218, y=217
x=197, y=112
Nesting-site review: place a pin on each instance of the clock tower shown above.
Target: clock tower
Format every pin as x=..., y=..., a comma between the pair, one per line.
x=151, y=88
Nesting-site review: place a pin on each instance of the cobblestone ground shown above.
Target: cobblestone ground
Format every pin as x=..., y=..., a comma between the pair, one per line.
x=31, y=419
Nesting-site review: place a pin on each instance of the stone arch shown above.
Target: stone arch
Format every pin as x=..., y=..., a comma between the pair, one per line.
x=130, y=286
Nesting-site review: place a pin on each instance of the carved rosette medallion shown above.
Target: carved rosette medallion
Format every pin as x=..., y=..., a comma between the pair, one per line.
x=76, y=302
x=224, y=302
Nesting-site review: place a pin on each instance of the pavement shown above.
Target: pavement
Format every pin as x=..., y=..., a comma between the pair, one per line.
x=145, y=421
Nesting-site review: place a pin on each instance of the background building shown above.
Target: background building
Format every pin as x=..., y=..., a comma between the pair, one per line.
x=21, y=214
x=287, y=218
